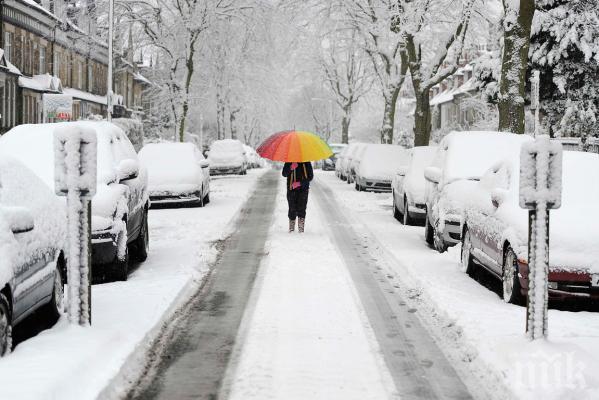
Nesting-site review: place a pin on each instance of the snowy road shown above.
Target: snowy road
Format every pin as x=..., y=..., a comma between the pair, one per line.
x=196, y=358
x=321, y=321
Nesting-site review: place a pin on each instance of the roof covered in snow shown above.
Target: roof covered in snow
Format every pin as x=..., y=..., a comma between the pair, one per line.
x=41, y=83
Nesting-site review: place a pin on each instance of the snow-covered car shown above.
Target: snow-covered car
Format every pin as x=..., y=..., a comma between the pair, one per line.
x=329, y=163
x=408, y=186
x=352, y=149
x=227, y=157
x=178, y=174
x=375, y=169
x=253, y=159
x=461, y=159
x=120, y=205
x=354, y=161
x=32, y=242
x=496, y=230
x=340, y=162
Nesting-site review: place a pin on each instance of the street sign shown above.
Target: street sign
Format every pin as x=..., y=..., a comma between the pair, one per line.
x=540, y=191
x=57, y=107
x=75, y=151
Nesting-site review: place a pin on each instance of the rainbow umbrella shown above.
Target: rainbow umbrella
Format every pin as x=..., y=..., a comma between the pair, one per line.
x=294, y=146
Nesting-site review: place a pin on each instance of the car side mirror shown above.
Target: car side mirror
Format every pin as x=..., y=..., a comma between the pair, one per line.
x=128, y=169
x=432, y=174
x=20, y=219
x=498, y=197
x=204, y=164
x=402, y=171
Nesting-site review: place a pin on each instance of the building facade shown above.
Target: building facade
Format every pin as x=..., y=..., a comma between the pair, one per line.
x=46, y=54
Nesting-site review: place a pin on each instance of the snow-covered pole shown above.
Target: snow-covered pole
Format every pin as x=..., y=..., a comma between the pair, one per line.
x=109, y=99
x=535, y=87
x=540, y=191
x=75, y=177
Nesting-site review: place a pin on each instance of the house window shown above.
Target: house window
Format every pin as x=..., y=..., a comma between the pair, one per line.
x=79, y=75
x=90, y=78
x=8, y=38
x=56, y=64
x=42, y=60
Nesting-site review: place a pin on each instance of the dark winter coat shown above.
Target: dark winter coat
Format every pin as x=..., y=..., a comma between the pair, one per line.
x=302, y=174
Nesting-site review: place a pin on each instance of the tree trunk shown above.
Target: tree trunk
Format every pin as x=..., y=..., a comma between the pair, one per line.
x=422, y=119
x=220, y=114
x=345, y=129
x=389, y=116
x=232, y=117
x=513, y=66
x=190, y=70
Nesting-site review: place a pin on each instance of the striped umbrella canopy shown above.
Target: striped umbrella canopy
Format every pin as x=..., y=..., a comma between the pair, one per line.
x=294, y=146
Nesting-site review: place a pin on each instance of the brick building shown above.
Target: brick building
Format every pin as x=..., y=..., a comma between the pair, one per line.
x=44, y=53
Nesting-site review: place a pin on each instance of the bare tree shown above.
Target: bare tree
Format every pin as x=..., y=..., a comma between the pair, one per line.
x=346, y=74
x=384, y=46
x=433, y=50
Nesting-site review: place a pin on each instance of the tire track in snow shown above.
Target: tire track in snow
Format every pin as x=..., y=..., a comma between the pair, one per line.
x=194, y=361
x=417, y=365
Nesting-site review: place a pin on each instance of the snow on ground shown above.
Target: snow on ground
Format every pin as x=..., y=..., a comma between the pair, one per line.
x=473, y=325
x=69, y=362
x=307, y=336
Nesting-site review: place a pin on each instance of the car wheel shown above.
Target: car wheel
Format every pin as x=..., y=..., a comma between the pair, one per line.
x=357, y=187
x=56, y=305
x=466, y=256
x=141, y=246
x=406, y=216
x=120, y=267
x=509, y=277
x=396, y=214
x=440, y=244
x=207, y=198
x=428, y=232
x=5, y=326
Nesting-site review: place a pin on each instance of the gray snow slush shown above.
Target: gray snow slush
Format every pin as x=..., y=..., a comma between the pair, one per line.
x=193, y=364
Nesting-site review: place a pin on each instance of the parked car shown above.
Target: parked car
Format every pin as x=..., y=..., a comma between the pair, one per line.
x=495, y=232
x=329, y=163
x=178, y=174
x=120, y=206
x=408, y=186
x=377, y=166
x=32, y=242
x=227, y=157
x=461, y=159
x=354, y=160
x=341, y=161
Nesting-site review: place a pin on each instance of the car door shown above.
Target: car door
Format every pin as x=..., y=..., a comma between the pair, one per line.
x=124, y=150
x=33, y=256
x=491, y=230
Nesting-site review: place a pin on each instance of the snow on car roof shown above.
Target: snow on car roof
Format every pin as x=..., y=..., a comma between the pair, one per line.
x=227, y=145
x=33, y=144
x=470, y=154
x=169, y=163
x=382, y=160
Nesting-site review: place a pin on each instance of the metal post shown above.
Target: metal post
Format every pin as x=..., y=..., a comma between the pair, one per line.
x=75, y=178
x=540, y=191
x=109, y=105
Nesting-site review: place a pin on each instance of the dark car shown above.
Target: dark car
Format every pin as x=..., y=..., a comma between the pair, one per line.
x=120, y=206
x=32, y=240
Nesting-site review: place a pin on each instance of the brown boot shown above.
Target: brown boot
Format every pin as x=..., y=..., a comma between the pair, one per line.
x=291, y=225
x=300, y=225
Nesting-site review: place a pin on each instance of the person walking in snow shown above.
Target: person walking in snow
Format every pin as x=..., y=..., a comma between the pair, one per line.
x=298, y=177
